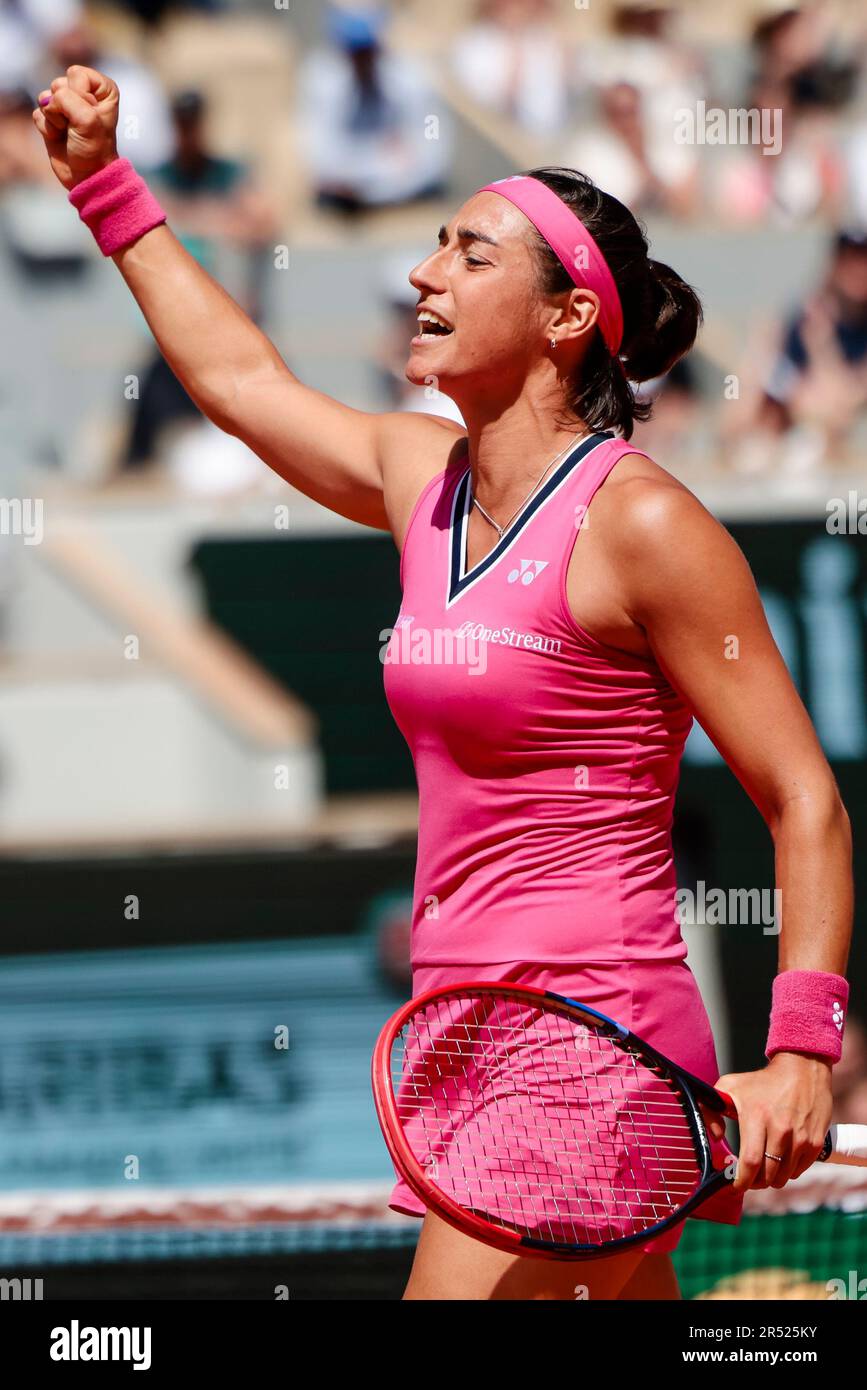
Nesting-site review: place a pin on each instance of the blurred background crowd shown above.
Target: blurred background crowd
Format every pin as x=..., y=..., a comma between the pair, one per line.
x=207, y=817
x=262, y=124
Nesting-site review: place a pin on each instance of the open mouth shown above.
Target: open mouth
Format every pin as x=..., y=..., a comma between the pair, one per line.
x=431, y=326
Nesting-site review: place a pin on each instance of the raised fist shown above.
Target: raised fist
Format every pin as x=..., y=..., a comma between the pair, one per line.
x=77, y=119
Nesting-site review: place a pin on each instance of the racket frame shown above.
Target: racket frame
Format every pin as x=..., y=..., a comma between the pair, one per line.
x=692, y=1089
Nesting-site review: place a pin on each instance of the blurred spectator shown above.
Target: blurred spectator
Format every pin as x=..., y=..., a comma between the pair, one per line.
x=400, y=299
x=144, y=130
x=643, y=48
x=154, y=11
x=36, y=226
x=804, y=180
x=26, y=30
x=818, y=382
x=22, y=152
x=210, y=201
x=511, y=60
x=648, y=175
x=643, y=78
x=372, y=130
x=794, y=46
x=797, y=77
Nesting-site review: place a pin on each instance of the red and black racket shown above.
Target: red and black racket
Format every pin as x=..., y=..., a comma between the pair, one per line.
x=542, y=1127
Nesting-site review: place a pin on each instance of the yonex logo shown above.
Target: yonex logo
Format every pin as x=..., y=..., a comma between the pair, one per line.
x=838, y=1015
x=530, y=570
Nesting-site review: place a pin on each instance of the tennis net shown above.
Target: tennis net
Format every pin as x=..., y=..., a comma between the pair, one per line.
x=807, y=1240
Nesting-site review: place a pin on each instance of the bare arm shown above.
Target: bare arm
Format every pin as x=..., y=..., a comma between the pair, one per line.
x=238, y=379
x=366, y=466
x=693, y=594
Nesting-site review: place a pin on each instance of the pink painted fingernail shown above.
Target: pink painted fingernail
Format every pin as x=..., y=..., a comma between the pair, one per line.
x=43, y=101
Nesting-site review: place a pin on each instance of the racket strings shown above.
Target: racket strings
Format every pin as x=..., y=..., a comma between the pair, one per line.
x=541, y=1122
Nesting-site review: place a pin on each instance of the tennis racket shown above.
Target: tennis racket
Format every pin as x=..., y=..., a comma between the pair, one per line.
x=542, y=1127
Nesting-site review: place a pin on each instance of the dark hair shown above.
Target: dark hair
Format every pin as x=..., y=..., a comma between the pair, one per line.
x=661, y=312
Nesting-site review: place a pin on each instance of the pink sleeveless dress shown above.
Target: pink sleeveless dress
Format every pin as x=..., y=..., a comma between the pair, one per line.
x=547, y=765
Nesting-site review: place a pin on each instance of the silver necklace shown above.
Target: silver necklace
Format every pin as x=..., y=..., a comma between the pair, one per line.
x=501, y=530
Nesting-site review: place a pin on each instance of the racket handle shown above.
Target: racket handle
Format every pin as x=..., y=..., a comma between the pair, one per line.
x=845, y=1144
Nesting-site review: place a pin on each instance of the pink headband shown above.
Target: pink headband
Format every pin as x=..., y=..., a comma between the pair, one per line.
x=567, y=236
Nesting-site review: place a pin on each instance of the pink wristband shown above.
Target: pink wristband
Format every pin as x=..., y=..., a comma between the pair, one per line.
x=117, y=205
x=808, y=1013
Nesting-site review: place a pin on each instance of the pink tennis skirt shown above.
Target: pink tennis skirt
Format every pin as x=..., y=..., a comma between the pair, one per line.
x=659, y=1001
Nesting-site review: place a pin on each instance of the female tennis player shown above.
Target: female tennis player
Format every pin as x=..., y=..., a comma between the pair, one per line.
x=607, y=607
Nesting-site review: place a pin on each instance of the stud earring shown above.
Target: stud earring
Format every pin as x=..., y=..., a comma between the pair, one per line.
x=553, y=343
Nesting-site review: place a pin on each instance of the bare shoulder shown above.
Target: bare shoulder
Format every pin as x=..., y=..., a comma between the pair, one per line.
x=643, y=487
x=408, y=437
x=652, y=508
x=414, y=447
x=661, y=537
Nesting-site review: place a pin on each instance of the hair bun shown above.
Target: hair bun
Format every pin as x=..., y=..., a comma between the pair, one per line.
x=661, y=312
x=671, y=315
